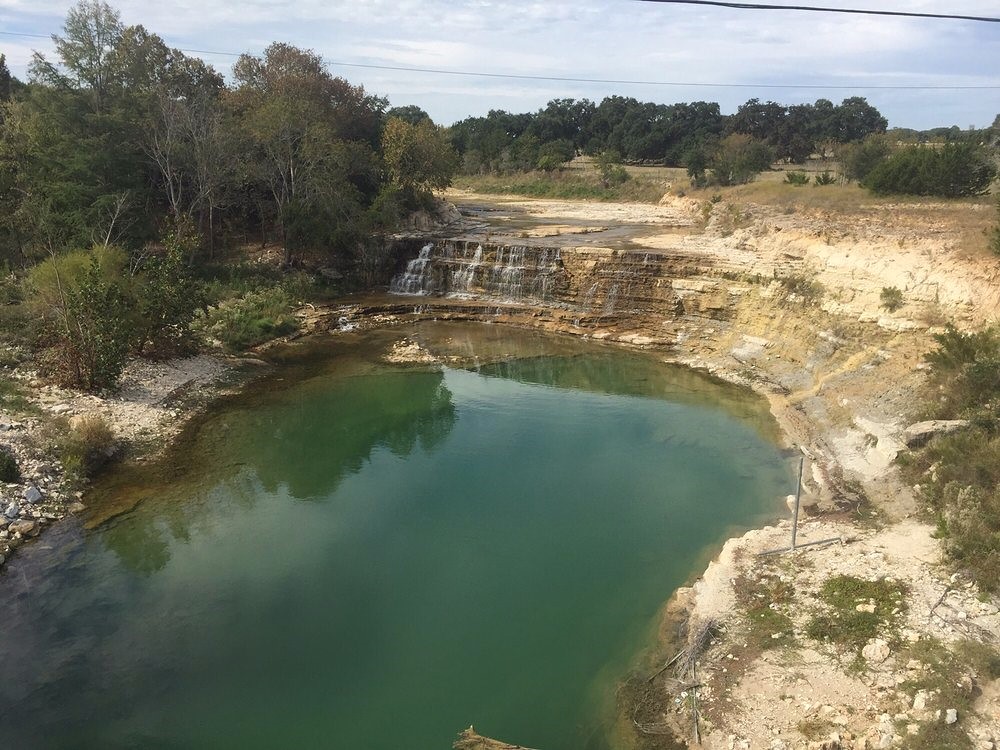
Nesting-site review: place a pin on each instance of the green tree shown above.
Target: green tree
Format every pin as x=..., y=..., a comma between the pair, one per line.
x=410, y=113
x=167, y=298
x=739, y=159
x=955, y=170
x=299, y=121
x=418, y=158
x=857, y=160
x=609, y=166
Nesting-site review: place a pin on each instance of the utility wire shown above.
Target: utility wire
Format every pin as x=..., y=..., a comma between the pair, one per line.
x=816, y=9
x=615, y=81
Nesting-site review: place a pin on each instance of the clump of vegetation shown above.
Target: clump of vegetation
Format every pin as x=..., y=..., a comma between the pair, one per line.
x=13, y=398
x=84, y=446
x=857, y=160
x=994, y=232
x=739, y=159
x=251, y=319
x=959, y=473
x=948, y=675
x=953, y=171
x=796, y=178
x=825, y=178
x=857, y=610
x=891, y=298
x=815, y=729
x=762, y=598
x=802, y=286
x=612, y=171
x=9, y=470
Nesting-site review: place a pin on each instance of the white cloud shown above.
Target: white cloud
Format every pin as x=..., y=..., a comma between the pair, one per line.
x=623, y=39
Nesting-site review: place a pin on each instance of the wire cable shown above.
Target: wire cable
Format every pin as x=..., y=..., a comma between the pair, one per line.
x=817, y=9
x=613, y=81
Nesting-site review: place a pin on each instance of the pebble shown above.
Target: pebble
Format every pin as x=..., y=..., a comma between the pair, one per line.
x=12, y=511
x=951, y=716
x=33, y=495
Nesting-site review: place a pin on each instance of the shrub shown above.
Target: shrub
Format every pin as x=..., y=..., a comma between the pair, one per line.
x=959, y=474
x=251, y=319
x=86, y=447
x=857, y=160
x=84, y=311
x=796, y=178
x=9, y=471
x=825, y=178
x=892, y=298
x=609, y=164
x=167, y=299
x=953, y=171
x=808, y=289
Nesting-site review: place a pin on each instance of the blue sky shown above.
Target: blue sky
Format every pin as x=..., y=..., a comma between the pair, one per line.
x=603, y=39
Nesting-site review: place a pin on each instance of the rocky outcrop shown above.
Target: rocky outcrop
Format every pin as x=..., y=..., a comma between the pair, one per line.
x=920, y=433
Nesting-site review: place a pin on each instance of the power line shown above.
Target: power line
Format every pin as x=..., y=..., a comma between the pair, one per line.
x=816, y=9
x=693, y=84
x=614, y=81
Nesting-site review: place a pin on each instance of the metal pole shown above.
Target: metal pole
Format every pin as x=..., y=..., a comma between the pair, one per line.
x=798, y=495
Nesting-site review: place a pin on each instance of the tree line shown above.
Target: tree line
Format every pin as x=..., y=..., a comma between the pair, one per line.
x=670, y=134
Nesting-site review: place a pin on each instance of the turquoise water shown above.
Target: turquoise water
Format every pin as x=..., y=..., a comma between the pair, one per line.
x=360, y=555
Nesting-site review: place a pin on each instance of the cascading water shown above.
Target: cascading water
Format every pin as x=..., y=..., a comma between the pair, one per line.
x=468, y=268
x=414, y=279
x=463, y=278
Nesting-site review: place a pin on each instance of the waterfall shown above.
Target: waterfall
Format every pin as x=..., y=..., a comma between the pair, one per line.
x=414, y=279
x=462, y=280
x=463, y=268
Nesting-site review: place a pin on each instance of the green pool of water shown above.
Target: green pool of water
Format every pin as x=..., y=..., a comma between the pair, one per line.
x=360, y=555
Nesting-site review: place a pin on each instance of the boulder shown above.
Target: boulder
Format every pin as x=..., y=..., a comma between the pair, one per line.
x=22, y=526
x=33, y=495
x=876, y=651
x=918, y=434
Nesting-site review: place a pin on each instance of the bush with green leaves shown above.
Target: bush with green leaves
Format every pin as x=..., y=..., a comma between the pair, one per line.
x=959, y=473
x=612, y=171
x=253, y=318
x=892, y=298
x=796, y=178
x=955, y=170
x=167, y=298
x=84, y=308
x=857, y=160
x=825, y=178
x=739, y=159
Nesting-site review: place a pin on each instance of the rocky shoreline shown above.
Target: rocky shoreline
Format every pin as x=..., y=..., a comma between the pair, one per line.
x=151, y=406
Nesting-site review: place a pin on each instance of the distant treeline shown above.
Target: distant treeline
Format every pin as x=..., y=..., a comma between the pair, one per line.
x=668, y=134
